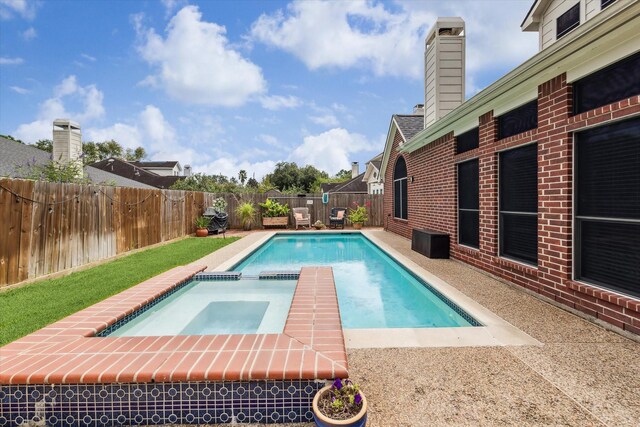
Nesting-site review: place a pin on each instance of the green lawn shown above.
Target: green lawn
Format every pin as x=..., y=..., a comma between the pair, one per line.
x=29, y=308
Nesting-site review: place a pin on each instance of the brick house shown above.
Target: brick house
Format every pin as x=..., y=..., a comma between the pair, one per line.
x=537, y=177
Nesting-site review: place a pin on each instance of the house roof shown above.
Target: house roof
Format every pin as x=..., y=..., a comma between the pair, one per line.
x=354, y=185
x=135, y=173
x=157, y=165
x=409, y=124
x=16, y=155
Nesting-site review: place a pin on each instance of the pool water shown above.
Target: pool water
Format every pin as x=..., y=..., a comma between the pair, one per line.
x=374, y=291
x=217, y=307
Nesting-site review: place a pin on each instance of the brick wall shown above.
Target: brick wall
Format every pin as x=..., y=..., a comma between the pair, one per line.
x=432, y=201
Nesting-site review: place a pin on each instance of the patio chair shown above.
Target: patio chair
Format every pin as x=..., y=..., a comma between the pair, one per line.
x=336, y=217
x=301, y=217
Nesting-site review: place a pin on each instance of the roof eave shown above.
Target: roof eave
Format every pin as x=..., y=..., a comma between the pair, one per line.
x=540, y=66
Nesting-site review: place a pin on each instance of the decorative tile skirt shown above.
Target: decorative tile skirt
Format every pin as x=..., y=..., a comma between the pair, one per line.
x=89, y=405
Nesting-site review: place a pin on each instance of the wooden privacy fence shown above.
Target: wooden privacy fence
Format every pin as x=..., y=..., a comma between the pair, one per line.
x=48, y=227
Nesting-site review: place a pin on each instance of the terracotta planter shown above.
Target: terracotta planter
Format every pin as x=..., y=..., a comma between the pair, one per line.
x=276, y=221
x=202, y=232
x=360, y=420
x=357, y=225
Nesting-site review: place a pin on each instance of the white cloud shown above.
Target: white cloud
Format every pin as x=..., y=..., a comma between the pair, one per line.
x=10, y=61
x=24, y=8
x=88, y=57
x=328, y=120
x=347, y=34
x=390, y=41
x=29, y=34
x=171, y=5
x=331, y=150
x=195, y=63
x=128, y=136
x=20, y=90
x=89, y=97
x=277, y=102
x=150, y=130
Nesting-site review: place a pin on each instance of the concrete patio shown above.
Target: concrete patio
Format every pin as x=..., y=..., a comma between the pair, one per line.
x=582, y=375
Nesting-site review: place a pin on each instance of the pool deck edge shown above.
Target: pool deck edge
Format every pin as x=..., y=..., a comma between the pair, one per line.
x=67, y=351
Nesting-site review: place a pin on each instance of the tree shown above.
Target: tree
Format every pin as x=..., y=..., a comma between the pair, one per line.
x=288, y=177
x=343, y=175
x=242, y=176
x=208, y=184
x=135, y=155
x=252, y=183
x=109, y=149
x=44, y=145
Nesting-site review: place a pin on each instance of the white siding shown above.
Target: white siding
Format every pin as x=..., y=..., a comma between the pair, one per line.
x=588, y=9
x=592, y=7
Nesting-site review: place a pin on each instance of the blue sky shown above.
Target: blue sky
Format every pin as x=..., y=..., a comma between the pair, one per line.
x=230, y=85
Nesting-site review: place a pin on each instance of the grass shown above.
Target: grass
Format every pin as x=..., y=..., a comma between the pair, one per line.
x=29, y=308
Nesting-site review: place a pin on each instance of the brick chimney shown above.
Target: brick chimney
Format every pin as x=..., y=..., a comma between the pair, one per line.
x=67, y=142
x=355, y=169
x=444, y=57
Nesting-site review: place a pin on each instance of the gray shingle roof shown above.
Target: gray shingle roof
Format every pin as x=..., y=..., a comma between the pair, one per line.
x=14, y=155
x=409, y=124
x=354, y=185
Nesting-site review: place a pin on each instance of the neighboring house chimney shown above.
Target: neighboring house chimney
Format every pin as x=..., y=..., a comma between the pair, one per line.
x=418, y=109
x=443, y=68
x=187, y=170
x=67, y=142
x=355, y=169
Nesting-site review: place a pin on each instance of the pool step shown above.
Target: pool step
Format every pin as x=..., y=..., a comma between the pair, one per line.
x=279, y=275
x=218, y=275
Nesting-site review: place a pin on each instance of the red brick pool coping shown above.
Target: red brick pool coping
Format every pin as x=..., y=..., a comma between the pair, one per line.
x=67, y=352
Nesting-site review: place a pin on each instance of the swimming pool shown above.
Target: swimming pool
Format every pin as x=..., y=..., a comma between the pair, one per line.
x=374, y=291
x=216, y=307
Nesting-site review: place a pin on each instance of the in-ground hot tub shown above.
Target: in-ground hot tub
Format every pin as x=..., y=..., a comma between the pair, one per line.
x=69, y=374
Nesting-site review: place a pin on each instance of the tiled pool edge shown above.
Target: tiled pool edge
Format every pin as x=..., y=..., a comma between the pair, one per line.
x=310, y=349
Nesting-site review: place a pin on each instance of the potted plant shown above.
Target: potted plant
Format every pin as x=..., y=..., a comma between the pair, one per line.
x=202, y=222
x=274, y=213
x=340, y=404
x=318, y=225
x=247, y=213
x=358, y=215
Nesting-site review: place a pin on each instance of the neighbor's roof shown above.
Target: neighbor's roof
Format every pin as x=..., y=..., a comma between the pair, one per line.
x=135, y=173
x=157, y=165
x=16, y=155
x=354, y=185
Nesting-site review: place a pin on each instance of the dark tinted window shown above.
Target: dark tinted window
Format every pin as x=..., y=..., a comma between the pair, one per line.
x=468, y=204
x=614, y=83
x=468, y=141
x=518, y=203
x=568, y=21
x=607, y=214
x=518, y=120
x=605, y=3
x=400, y=189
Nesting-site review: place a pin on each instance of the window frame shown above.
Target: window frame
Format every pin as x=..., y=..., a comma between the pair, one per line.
x=458, y=209
x=571, y=27
x=501, y=118
x=406, y=198
x=501, y=254
x=575, y=218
